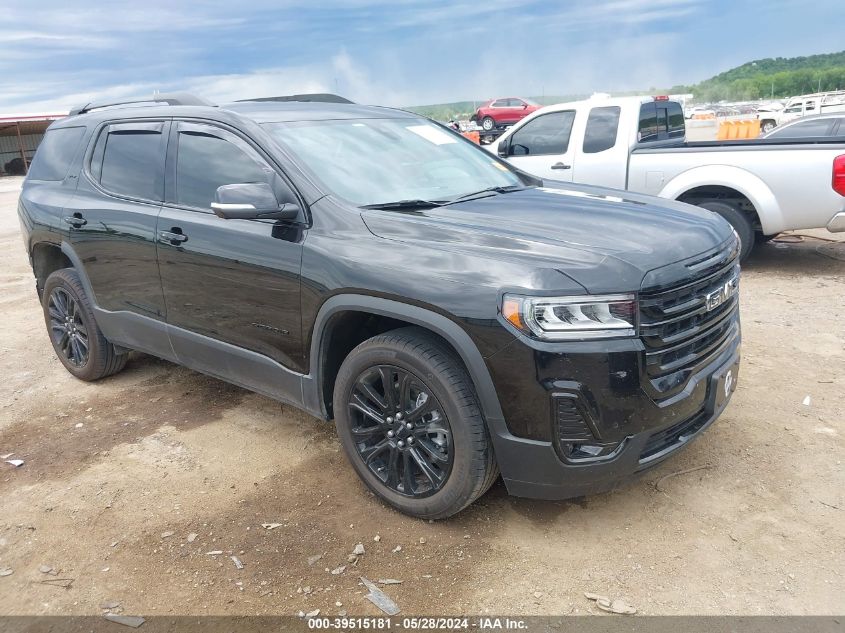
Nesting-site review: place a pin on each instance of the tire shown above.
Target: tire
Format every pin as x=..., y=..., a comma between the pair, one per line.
x=487, y=123
x=77, y=339
x=738, y=220
x=452, y=427
x=767, y=126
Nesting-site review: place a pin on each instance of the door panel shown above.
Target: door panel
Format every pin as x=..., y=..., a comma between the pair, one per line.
x=113, y=233
x=542, y=146
x=234, y=281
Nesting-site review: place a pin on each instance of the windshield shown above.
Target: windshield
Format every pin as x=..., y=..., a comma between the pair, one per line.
x=376, y=161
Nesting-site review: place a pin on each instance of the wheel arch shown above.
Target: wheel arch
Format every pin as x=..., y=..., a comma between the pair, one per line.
x=727, y=182
x=341, y=313
x=47, y=258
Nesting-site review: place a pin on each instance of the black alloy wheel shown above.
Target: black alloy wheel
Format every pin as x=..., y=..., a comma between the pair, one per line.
x=401, y=431
x=69, y=333
x=74, y=333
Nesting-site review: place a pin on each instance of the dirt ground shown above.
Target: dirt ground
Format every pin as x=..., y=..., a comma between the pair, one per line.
x=118, y=474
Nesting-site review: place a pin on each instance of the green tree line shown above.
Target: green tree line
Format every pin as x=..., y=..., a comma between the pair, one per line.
x=778, y=77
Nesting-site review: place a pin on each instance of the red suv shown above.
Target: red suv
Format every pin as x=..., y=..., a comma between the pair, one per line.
x=504, y=111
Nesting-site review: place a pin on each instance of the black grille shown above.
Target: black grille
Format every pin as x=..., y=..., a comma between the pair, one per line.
x=673, y=436
x=571, y=426
x=680, y=333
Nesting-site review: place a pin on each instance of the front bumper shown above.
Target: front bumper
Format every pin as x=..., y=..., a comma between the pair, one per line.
x=535, y=468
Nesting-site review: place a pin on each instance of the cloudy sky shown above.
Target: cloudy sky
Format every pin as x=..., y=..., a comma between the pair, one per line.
x=54, y=55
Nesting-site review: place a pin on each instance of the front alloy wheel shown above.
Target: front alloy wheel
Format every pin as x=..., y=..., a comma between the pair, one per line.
x=400, y=431
x=409, y=420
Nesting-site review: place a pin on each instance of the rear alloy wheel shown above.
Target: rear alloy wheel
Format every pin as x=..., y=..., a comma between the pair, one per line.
x=487, y=123
x=767, y=127
x=410, y=423
x=69, y=334
x=75, y=335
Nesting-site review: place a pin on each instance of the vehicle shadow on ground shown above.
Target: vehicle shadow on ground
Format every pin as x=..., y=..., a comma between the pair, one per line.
x=809, y=257
x=61, y=435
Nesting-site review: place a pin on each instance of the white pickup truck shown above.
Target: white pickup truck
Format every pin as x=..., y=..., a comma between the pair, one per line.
x=762, y=187
x=804, y=105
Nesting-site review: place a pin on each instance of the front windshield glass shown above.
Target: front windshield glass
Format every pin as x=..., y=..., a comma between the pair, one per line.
x=376, y=161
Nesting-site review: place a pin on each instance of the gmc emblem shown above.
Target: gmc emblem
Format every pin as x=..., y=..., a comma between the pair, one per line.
x=716, y=298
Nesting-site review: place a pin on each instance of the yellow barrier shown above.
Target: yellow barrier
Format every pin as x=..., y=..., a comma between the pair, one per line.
x=734, y=130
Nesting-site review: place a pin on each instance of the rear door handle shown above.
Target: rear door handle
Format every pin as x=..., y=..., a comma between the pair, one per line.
x=561, y=166
x=173, y=237
x=76, y=220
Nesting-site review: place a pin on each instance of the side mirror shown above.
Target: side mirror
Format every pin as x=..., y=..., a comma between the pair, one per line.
x=504, y=149
x=251, y=201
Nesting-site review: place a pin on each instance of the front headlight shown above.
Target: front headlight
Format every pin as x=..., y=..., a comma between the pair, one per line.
x=572, y=318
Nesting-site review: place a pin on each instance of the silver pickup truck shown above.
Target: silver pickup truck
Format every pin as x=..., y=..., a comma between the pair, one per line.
x=762, y=187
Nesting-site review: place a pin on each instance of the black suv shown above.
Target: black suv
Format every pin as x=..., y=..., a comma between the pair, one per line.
x=455, y=317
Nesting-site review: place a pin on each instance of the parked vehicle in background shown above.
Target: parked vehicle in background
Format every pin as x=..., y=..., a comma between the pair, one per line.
x=700, y=112
x=503, y=111
x=455, y=316
x=816, y=126
x=801, y=106
x=762, y=187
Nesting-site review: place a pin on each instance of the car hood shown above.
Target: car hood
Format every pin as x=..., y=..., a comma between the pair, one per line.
x=603, y=239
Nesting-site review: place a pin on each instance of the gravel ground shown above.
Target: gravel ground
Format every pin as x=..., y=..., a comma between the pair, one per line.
x=131, y=484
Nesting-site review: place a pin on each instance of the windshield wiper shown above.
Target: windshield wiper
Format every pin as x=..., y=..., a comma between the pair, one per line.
x=404, y=204
x=488, y=191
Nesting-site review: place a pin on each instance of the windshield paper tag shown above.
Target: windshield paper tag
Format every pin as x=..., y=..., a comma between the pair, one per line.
x=432, y=134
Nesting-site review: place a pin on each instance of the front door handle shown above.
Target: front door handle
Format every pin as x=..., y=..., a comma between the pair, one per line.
x=561, y=166
x=76, y=220
x=174, y=237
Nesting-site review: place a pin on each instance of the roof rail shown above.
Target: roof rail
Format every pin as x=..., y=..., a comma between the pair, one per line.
x=175, y=98
x=317, y=97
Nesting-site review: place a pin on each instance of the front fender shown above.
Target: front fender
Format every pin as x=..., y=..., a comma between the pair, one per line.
x=751, y=186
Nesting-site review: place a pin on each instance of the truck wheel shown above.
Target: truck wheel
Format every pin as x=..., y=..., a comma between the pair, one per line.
x=76, y=338
x=767, y=126
x=738, y=220
x=409, y=420
x=487, y=123
x=762, y=238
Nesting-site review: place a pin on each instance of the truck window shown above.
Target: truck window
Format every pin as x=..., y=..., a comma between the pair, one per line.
x=547, y=134
x=648, y=123
x=675, y=120
x=54, y=155
x=602, y=127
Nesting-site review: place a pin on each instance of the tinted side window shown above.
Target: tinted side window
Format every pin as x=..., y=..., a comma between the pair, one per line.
x=818, y=127
x=206, y=162
x=602, y=126
x=55, y=153
x=131, y=162
x=648, y=123
x=547, y=134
